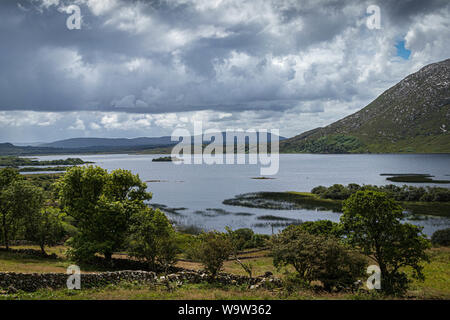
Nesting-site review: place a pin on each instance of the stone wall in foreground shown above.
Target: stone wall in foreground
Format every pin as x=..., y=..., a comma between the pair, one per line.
x=11, y=282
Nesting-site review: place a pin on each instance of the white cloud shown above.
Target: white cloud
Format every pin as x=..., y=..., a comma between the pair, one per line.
x=78, y=125
x=28, y=118
x=99, y=7
x=295, y=65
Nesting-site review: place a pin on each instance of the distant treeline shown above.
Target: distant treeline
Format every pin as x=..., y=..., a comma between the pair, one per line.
x=11, y=161
x=403, y=193
x=44, y=169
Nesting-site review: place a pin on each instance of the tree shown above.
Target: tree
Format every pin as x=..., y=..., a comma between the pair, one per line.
x=212, y=250
x=153, y=239
x=441, y=237
x=7, y=177
x=371, y=222
x=45, y=227
x=322, y=227
x=240, y=238
x=102, y=205
x=317, y=257
x=19, y=199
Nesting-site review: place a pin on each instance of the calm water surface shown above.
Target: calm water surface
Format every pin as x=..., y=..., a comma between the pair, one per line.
x=200, y=189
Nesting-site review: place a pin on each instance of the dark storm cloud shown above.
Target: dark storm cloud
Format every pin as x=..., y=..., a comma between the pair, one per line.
x=174, y=56
x=404, y=11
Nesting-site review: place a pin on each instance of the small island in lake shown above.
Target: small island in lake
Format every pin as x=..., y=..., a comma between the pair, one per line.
x=262, y=178
x=412, y=178
x=166, y=159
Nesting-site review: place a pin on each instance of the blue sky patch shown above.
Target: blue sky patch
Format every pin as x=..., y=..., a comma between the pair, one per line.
x=402, y=51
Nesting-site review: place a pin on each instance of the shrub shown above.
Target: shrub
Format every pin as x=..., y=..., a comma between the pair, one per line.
x=153, y=239
x=212, y=250
x=441, y=237
x=319, y=190
x=317, y=257
x=245, y=238
x=240, y=238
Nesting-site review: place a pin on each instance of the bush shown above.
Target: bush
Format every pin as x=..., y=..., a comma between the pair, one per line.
x=292, y=282
x=212, y=250
x=319, y=190
x=153, y=239
x=317, y=258
x=441, y=237
x=245, y=238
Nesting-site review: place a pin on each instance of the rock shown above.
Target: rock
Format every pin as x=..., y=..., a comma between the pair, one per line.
x=268, y=274
x=11, y=290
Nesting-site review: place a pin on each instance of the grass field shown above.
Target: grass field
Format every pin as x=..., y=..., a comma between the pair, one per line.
x=435, y=286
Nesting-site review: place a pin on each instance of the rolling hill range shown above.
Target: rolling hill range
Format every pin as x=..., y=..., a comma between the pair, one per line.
x=107, y=142
x=152, y=145
x=77, y=143
x=412, y=116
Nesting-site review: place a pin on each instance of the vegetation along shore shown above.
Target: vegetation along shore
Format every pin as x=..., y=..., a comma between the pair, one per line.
x=415, y=200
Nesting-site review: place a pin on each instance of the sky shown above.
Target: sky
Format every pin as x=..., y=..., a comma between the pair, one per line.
x=145, y=68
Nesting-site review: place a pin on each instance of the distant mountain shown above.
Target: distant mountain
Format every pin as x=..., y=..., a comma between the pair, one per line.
x=8, y=149
x=76, y=143
x=412, y=116
x=100, y=145
x=28, y=144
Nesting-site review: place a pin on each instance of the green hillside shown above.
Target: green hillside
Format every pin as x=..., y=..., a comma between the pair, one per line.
x=412, y=116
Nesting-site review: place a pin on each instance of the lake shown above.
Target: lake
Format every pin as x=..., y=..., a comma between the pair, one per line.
x=197, y=191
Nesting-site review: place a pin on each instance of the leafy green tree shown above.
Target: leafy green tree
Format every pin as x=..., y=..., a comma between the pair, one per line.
x=45, y=227
x=317, y=258
x=153, y=239
x=371, y=222
x=322, y=227
x=7, y=177
x=102, y=205
x=245, y=238
x=212, y=250
x=19, y=199
x=240, y=238
x=337, y=192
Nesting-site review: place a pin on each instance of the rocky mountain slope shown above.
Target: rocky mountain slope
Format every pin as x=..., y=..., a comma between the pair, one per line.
x=412, y=116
